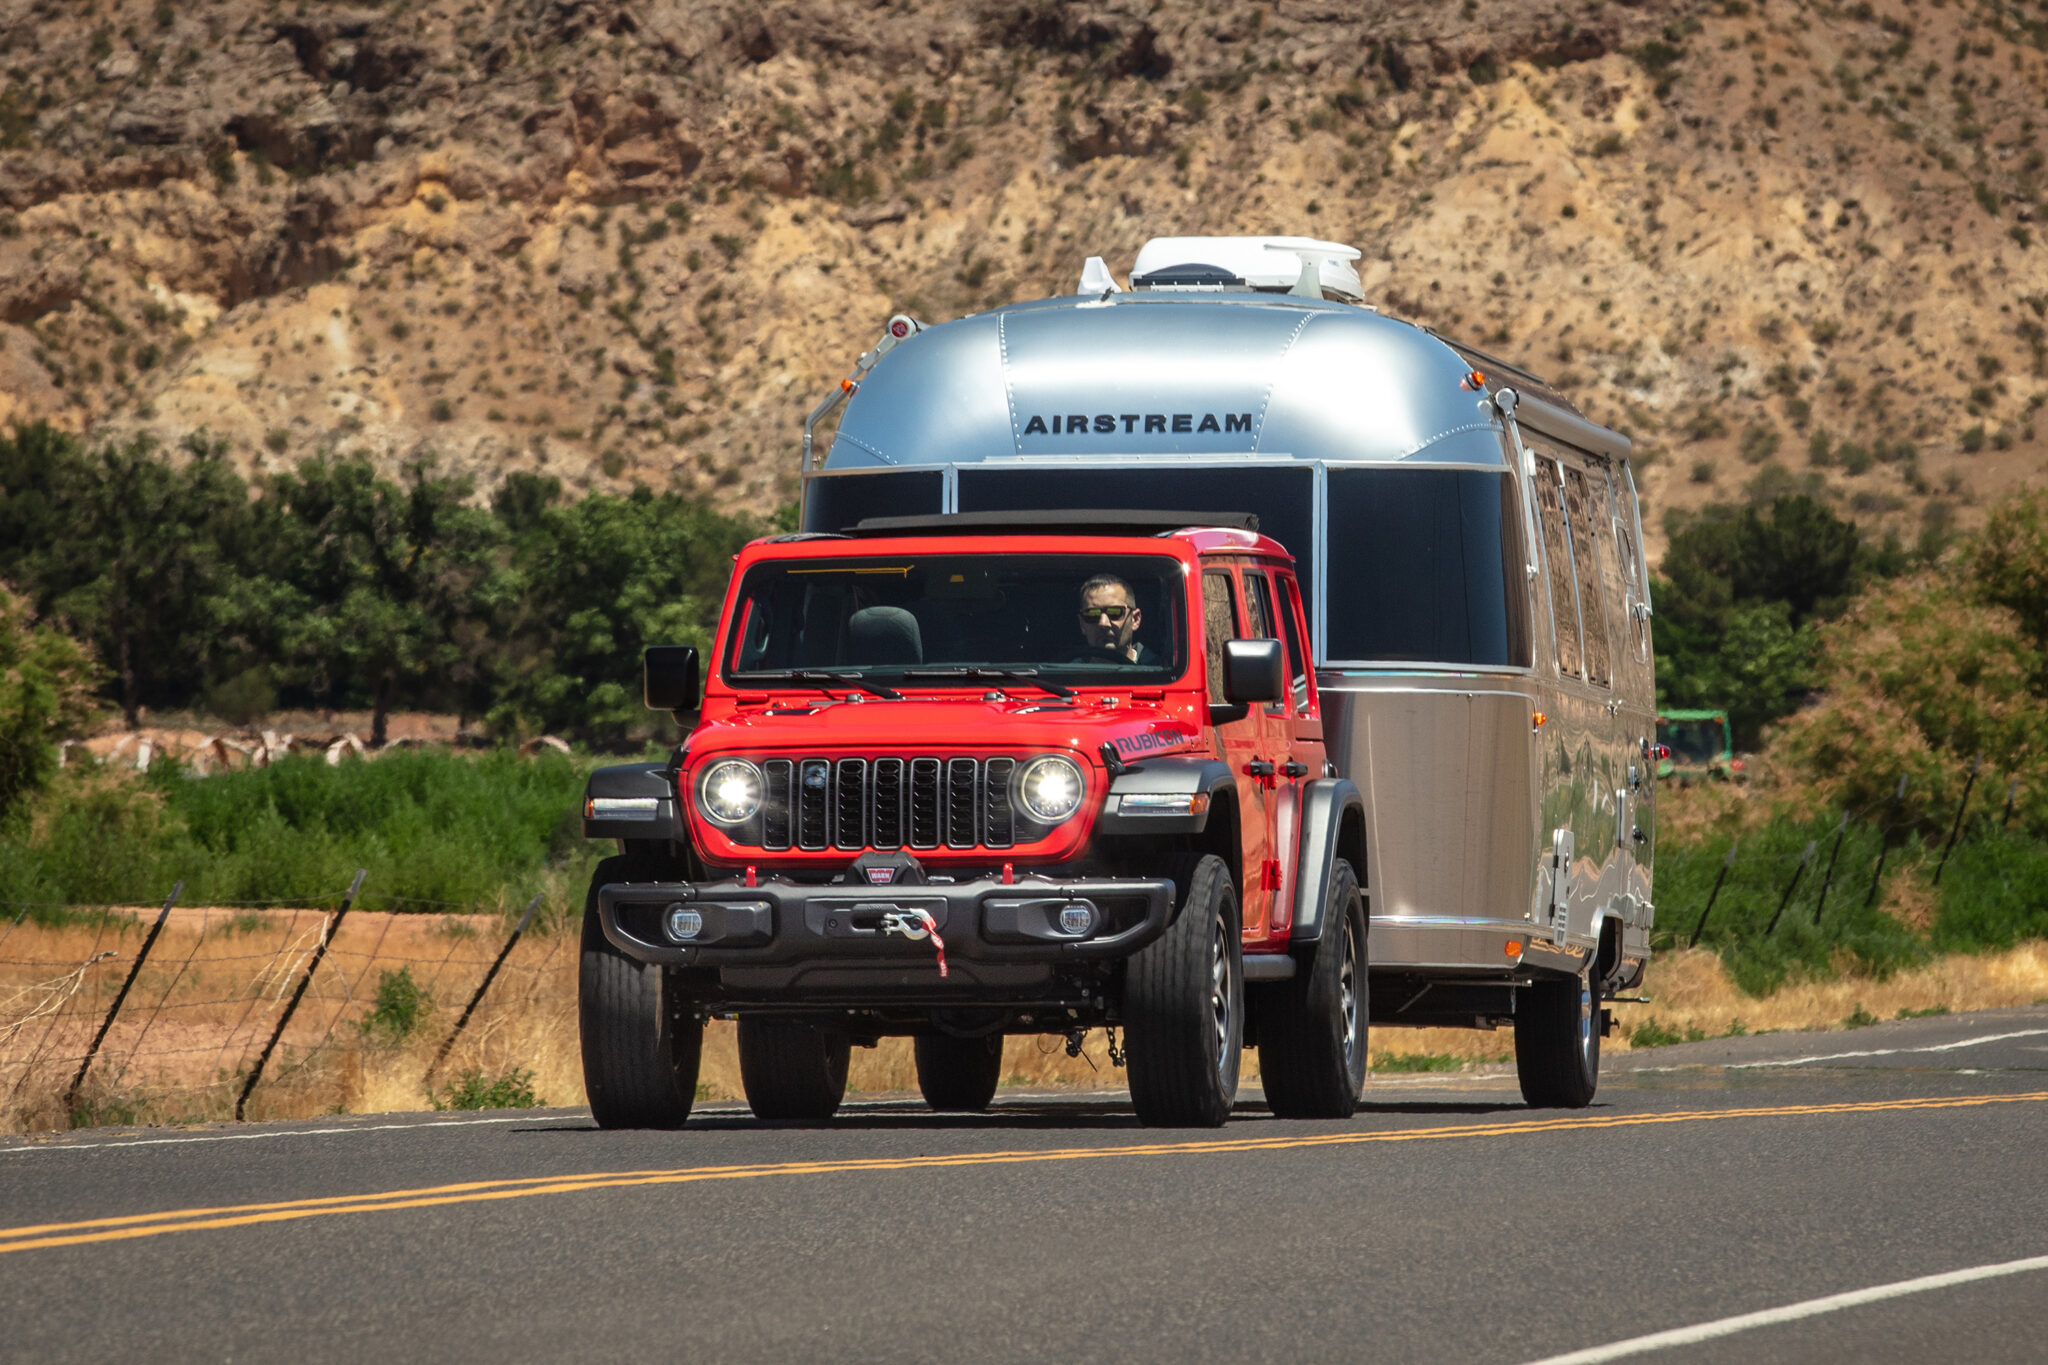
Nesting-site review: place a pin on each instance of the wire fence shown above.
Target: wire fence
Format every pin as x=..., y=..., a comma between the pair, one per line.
x=1815, y=885
x=247, y=1010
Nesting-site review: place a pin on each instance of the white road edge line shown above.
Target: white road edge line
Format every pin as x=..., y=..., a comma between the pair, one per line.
x=1892, y=1051
x=280, y=1133
x=1791, y=1312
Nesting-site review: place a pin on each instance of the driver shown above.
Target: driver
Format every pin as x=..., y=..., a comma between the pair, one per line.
x=1110, y=620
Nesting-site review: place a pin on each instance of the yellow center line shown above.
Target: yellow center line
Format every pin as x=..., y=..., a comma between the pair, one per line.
x=46, y=1235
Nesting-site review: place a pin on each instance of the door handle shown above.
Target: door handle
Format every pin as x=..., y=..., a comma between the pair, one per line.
x=1258, y=767
x=1293, y=769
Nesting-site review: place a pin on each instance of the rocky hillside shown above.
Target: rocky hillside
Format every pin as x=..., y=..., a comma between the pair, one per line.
x=624, y=240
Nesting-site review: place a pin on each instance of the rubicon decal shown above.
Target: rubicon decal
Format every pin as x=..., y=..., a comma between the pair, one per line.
x=1152, y=741
x=1133, y=423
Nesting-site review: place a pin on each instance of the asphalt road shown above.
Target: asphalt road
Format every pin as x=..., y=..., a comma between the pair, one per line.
x=1446, y=1222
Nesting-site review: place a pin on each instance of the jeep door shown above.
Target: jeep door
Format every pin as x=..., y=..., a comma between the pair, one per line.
x=1243, y=744
x=1293, y=731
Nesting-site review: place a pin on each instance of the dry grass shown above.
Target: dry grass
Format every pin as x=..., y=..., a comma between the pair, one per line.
x=1690, y=991
x=217, y=980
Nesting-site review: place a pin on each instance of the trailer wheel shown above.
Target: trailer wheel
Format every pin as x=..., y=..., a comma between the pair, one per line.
x=959, y=1075
x=1312, y=1029
x=1557, y=1043
x=641, y=1046
x=1183, y=1006
x=792, y=1071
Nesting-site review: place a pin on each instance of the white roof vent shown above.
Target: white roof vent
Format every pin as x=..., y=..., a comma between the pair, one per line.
x=1295, y=265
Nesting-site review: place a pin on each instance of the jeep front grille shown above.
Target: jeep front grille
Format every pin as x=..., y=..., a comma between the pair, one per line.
x=814, y=804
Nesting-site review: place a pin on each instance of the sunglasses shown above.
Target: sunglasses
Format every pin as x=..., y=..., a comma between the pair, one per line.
x=1095, y=616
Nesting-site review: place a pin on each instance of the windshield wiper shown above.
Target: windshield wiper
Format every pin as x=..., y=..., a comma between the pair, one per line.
x=824, y=678
x=1022, y=675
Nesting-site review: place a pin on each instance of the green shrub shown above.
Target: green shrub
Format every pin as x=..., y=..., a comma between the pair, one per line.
x=398, y=1008
x=1994, y=894
x=1850, y=933
x=474, y=1090
x=433, y=827
x=1391, y=1062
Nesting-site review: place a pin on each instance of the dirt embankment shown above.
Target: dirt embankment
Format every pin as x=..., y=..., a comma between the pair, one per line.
x=619, y=242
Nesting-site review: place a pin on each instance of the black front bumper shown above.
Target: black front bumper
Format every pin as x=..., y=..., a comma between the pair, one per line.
x=783, y=933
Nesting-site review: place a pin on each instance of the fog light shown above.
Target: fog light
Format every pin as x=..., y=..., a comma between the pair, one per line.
x=683, y=922
x=1076, y=919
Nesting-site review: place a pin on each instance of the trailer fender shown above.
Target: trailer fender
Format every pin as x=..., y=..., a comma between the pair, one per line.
x=1159, y=780
x=1327, y=806
x=632, y=801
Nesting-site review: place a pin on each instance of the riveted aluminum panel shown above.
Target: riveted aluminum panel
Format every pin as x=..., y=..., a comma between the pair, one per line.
x=1169, y=375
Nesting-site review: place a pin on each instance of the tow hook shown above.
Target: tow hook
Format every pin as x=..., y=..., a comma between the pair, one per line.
x=916, y=925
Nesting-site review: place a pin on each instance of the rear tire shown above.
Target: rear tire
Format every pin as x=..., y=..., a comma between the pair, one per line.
x=1313, y=1028
x=641, y=1045
x=959, y=1075
x=792, y=1071
x=1557, y=1043
x=1183, y=1007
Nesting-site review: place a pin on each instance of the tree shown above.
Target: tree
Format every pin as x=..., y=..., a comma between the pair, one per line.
x=598, y=581
x=389, y=575
x=137, y=553
x=46, y=682
x=1736, y=606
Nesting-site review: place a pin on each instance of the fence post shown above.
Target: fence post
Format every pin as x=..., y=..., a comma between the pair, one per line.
x=1828, y=878
x=1797, y=873
x=148, y=942
x=2010, y=792
x=319, y=952
x=483, y=986
x=1957, y=827
x=1715, y=894
x=1884, y=843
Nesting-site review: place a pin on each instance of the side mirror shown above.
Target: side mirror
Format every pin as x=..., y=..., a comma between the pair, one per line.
x=1253, y=671
x=671, y=678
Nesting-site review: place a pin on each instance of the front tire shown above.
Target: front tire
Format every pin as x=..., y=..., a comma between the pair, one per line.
x=959, y=1075
x=1313, y=1028
x=1183, y=1007
x=1557, y=1043
x=641, y=1046
x=792, y=1071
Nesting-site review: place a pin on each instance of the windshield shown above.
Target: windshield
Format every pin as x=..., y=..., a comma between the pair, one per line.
x=1052, y=621
x=1695, y=741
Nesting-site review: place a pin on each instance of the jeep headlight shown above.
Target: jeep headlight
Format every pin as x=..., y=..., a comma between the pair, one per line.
x=1050, y=789
x=730, y=791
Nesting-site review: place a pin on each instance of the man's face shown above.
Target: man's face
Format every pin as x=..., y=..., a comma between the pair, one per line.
x=1098, y=608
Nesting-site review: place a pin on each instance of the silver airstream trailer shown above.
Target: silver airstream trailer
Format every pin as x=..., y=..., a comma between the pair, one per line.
x=1469, y=545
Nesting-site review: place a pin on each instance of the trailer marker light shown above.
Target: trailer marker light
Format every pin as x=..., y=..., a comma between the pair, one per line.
x=1474, y=381
x=1513, y=947
x=1539, y=720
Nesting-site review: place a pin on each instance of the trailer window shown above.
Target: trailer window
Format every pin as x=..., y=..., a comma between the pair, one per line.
x=1282, y=497
x=1424, y=567
x=1584, y=491
x=1219, y=623
x=833, y=502
x=1557, y=555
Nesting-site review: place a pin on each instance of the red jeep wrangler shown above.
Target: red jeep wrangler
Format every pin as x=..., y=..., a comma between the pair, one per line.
x=959, y=777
